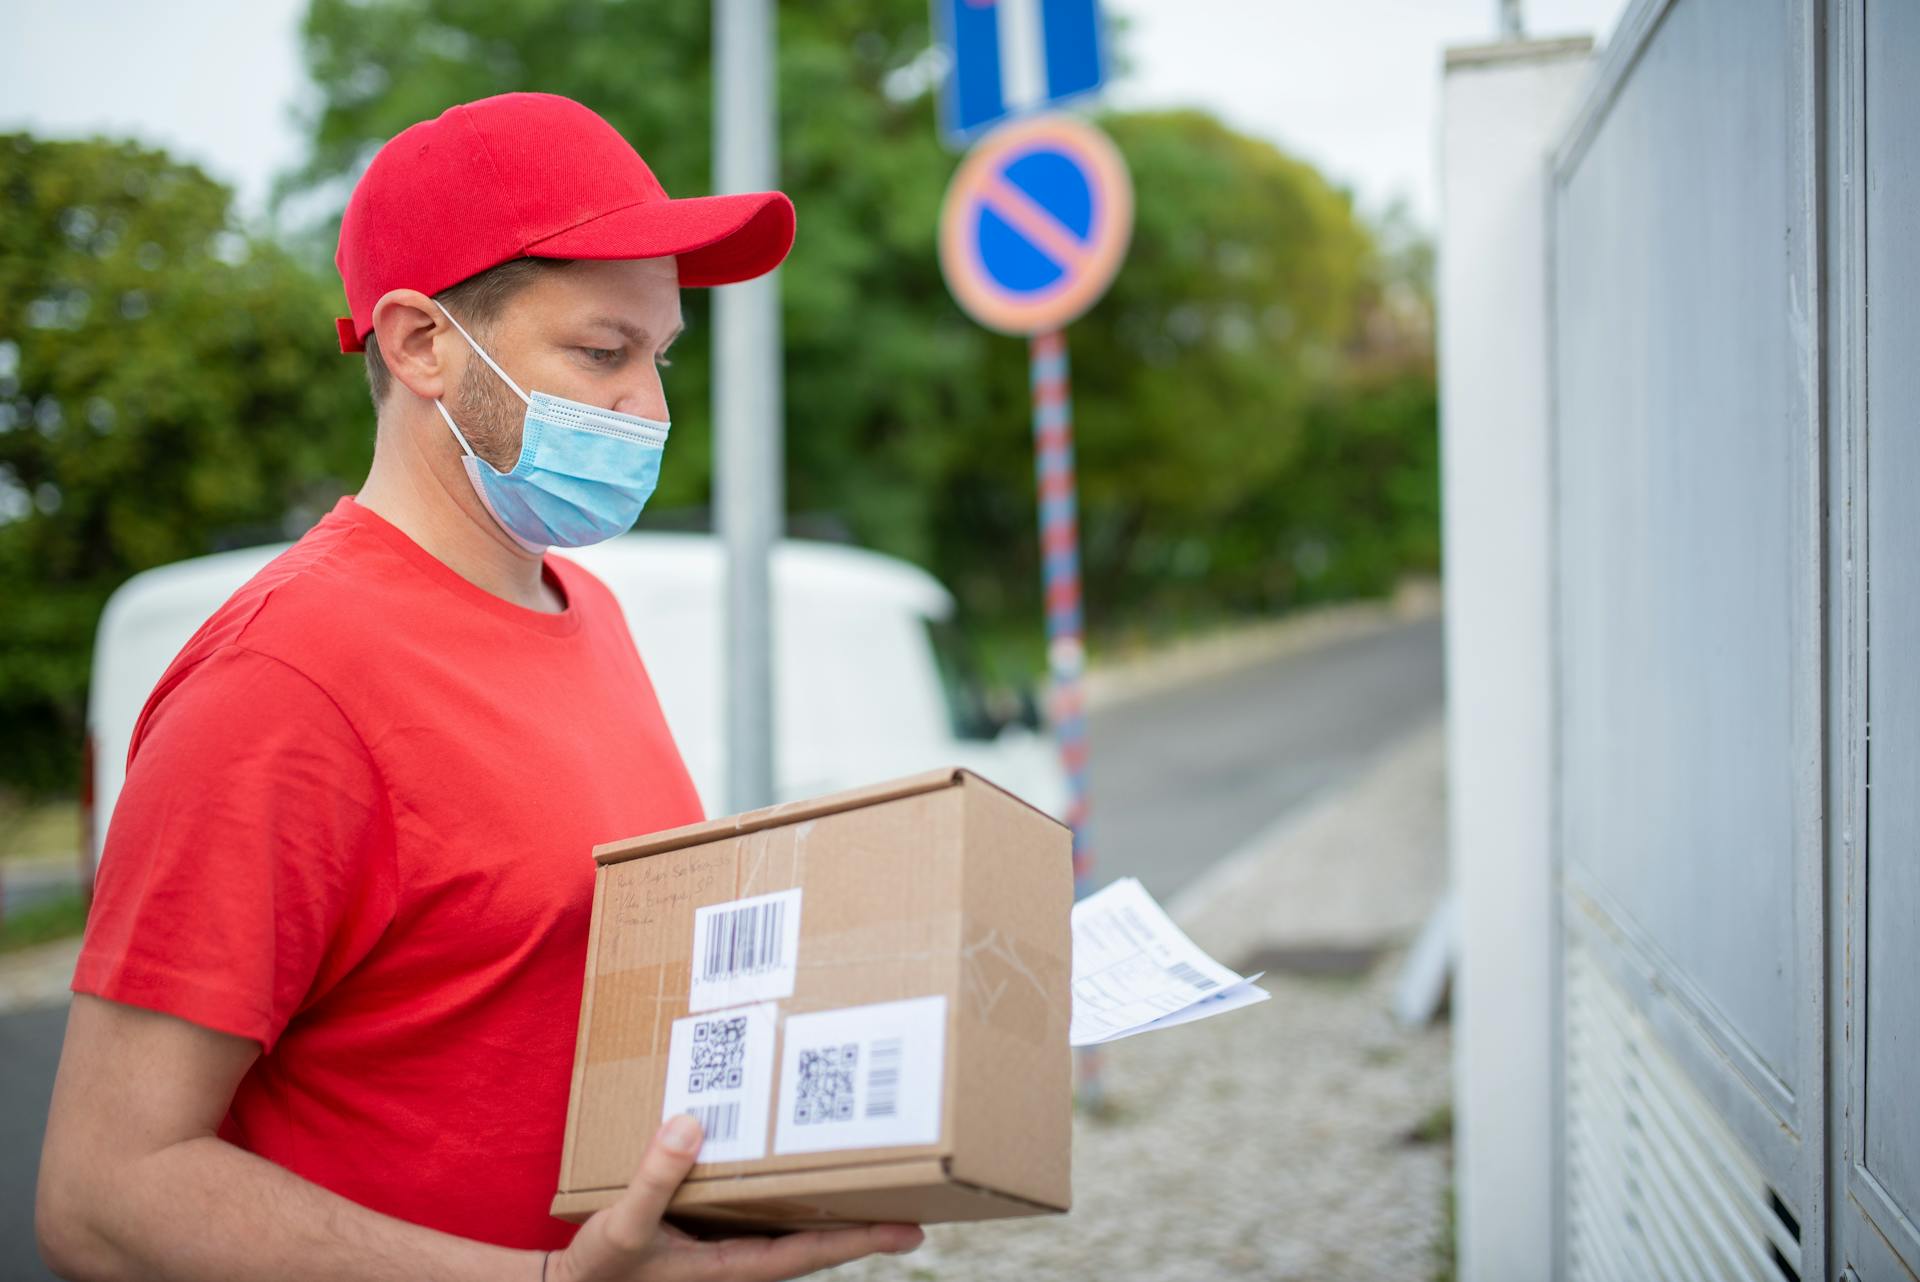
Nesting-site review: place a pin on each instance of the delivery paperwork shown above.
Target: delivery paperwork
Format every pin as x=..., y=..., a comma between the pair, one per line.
x=1135, y=971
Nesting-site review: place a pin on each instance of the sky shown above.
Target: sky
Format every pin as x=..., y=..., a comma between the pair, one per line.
x=1351, y=85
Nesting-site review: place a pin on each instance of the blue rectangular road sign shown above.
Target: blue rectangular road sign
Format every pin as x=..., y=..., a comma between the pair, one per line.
x=1013, y=56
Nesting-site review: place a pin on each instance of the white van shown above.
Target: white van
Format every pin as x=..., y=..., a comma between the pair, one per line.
x=868, y=680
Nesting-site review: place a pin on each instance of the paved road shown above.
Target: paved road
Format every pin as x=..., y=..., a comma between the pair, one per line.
x=1180, y=779
x=29, y=1050
x=1183, y=777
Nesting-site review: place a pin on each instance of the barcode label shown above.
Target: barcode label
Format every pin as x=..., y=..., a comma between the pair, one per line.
x=720, y=1122
x=745, y=941
x=883, y=1077
x=1188, y=975
x=745, y=950
x=861, y=1077
x=720, y=1069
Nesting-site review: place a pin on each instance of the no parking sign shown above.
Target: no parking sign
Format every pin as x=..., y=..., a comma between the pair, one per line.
x=1035, y=224
x=1033, y=228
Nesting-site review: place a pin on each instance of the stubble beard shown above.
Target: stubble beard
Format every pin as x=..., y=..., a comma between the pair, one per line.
x=490, y=415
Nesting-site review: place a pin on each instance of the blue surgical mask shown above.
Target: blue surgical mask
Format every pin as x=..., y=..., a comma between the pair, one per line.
x=584, y=472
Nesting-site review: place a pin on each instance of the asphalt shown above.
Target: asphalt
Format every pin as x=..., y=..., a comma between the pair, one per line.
x=29, y=1052
x=1183, y=777
x=1179, y=779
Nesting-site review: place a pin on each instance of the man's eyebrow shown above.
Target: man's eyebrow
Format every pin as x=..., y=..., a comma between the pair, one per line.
x=633, y=332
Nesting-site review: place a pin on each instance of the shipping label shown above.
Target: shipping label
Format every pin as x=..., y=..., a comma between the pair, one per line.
x=745, y=950
x=720, y=1069
x=862, y=1077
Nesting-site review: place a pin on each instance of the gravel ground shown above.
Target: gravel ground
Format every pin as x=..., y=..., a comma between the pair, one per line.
x=1302, y=1138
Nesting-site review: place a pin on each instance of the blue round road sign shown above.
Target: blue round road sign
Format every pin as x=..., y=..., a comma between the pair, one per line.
x=1035, y=224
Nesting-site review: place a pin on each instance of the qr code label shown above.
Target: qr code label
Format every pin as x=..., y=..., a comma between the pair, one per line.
x=862, y=1077
x=719, y=1055
x=720, y=1069
x=827, y=1075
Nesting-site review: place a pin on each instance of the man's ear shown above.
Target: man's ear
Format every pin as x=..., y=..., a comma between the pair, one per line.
x=407, y=324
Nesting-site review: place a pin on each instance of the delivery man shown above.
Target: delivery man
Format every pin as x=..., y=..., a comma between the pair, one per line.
x=324, y=1014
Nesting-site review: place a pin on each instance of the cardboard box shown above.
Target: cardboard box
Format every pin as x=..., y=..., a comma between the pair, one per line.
x=933, y=912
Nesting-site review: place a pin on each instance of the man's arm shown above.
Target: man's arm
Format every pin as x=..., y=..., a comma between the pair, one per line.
x=135, y=1183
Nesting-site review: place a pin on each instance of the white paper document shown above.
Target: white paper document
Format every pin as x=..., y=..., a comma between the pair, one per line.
x=1134, y=970
x=1245, y=993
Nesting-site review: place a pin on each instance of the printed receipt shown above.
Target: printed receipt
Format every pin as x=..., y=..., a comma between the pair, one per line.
x=1134, y=970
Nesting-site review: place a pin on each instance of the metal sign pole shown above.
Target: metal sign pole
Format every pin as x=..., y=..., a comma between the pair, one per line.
x=748, y=415
x=1060, y=576
x=1066, y=631
x=1008, y=58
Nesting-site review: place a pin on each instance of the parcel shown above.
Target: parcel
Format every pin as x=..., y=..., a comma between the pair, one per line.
x=864, y=998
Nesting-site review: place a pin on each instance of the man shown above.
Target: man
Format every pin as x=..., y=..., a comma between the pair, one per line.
x=325, y=1011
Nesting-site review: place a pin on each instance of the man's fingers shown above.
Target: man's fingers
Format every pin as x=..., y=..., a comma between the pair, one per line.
x=665, y=1164
x=773, y=1259
x=634, y=1222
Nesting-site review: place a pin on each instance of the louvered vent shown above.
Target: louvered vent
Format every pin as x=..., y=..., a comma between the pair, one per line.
x=1657, y=1186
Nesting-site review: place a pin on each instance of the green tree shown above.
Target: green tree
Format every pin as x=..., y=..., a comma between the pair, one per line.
x=1192, y=377
x=1254, y=398
x=165, y=389
x=1196, y=381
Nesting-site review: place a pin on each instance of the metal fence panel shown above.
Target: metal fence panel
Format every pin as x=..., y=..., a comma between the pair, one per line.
x=1889, y=909
x=1686, y=445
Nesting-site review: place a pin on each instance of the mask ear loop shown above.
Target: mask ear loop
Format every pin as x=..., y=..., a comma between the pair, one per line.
x=504, y=376
x=458, y=435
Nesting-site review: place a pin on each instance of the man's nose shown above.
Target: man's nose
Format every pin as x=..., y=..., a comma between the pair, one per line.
x=645, y=398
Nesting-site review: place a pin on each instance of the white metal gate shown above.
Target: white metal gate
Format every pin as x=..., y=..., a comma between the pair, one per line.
x=1734, y=219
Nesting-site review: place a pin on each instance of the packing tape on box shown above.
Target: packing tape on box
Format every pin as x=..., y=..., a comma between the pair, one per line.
x=632, y=1008
x=1005, y=982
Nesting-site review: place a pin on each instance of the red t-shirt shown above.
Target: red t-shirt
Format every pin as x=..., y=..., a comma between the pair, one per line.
x=357, y=827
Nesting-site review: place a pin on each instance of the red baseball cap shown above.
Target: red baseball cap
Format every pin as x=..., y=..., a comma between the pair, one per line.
x=540, y=176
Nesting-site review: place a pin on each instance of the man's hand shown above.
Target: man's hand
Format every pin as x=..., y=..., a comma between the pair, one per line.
x=628, y=1243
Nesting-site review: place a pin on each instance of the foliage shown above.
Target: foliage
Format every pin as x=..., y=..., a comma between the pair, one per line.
x=31, y=831
x=159, y=396
x=58, y=918
x=1253, y=400
x=1207, y=386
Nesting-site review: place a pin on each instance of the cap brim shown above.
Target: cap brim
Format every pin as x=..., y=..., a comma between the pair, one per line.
x=718, y=239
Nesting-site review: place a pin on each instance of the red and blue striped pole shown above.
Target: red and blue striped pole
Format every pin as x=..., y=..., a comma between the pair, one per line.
x=1060, y=575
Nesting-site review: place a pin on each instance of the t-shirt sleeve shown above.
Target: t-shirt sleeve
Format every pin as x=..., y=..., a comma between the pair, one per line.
x=249, y=859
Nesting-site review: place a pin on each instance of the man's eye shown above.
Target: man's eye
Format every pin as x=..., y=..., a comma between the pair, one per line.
x=601, y=355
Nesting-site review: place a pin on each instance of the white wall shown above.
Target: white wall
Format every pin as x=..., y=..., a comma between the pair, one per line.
x=1501, y=111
